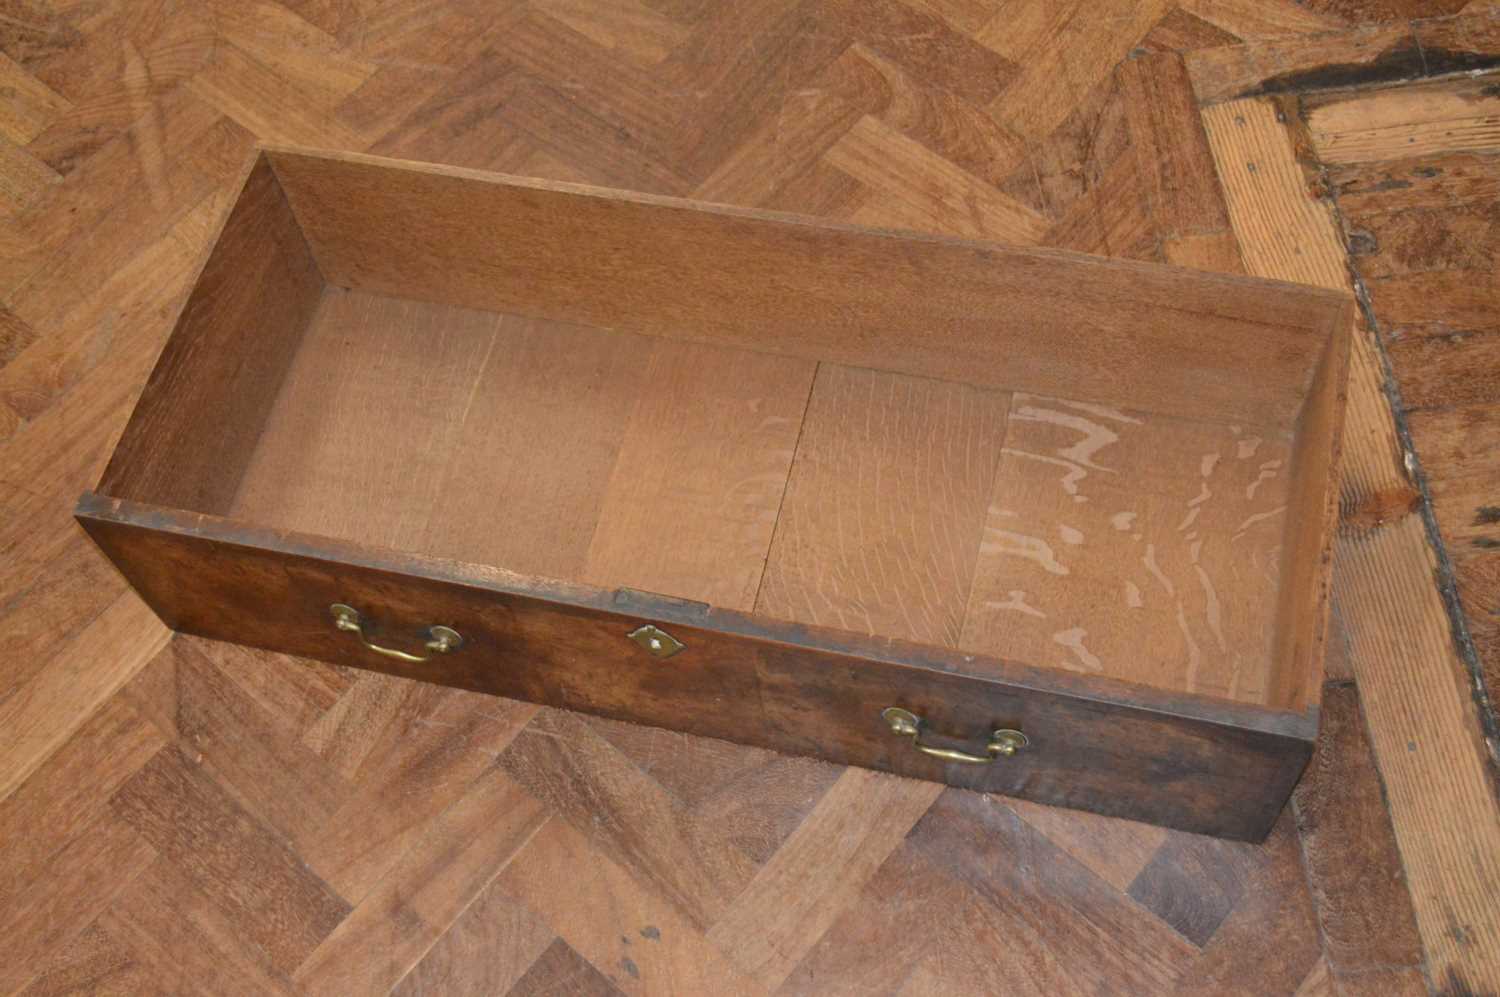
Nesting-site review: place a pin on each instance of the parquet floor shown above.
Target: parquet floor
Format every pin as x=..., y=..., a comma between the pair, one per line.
x=180, y=816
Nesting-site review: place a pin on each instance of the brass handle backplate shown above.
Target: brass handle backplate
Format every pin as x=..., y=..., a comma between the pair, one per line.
x=440, y=640
x=1002, y=743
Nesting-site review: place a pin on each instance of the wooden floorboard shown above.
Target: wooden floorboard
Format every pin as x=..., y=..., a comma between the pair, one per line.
x=182, y=816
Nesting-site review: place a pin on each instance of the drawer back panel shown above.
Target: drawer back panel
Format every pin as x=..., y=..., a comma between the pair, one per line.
x=1048, y=322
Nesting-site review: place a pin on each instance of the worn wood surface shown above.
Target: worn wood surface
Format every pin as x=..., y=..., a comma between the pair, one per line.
x=997, y=114
x=1181, y=562
x=1194, y=762
x=886, y=492
x=1416, y=679
x=1097, y=330
x=1431, y=239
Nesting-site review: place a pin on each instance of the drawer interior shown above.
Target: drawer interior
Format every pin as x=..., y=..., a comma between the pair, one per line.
x=906, y=487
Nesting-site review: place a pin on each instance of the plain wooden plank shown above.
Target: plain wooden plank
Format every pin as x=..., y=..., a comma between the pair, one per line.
x=432, y=749
x=66, y=894
x=883, y=511
x=230, y=349
x=68, y=793
x=1429, y=747
x=243, y=865
x=1423, y=723
x=1129, y=545
x=471, y=469
x=1419, y=119
x=946, y=199
x=736, y=277
x=1349, y=848
x=1265, y=194
x=486, y=950
x=393, y=927
x=182, y=942
x=824, y=864
x=1171, y=153
x=602, y=899
x=40, y=716
x=699, y=476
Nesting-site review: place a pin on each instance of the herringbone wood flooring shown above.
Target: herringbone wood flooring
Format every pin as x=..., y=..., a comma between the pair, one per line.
x=181, y=816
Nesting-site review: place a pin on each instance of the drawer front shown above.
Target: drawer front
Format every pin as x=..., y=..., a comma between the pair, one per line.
x=1096, y=746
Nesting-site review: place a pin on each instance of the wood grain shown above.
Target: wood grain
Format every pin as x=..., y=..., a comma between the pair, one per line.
x=825, y=863
x=1022, y=95
x=1413, y=683
x=1353, y=866
x=700, y=474
x=483, y=385
x=429, y=887
x=397, y=230
x=83, y=674
x=1170, y=150
x=1370, y=54
x=1427, y=118
x=259, y=277
x=1173, y=574
x=880, y=525
x=790, y=687
x=187, y=817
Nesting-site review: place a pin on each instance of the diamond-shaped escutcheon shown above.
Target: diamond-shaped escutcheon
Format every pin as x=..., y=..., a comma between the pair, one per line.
x=656, y=640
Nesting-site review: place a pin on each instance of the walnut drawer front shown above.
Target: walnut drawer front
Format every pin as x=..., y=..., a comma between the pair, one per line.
x=1182, y=761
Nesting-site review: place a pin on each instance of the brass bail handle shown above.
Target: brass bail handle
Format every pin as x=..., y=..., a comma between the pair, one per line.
x=904, y=723
x=441, y=639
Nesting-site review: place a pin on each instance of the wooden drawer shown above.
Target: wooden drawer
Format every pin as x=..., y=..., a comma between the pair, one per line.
x=875, y=477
